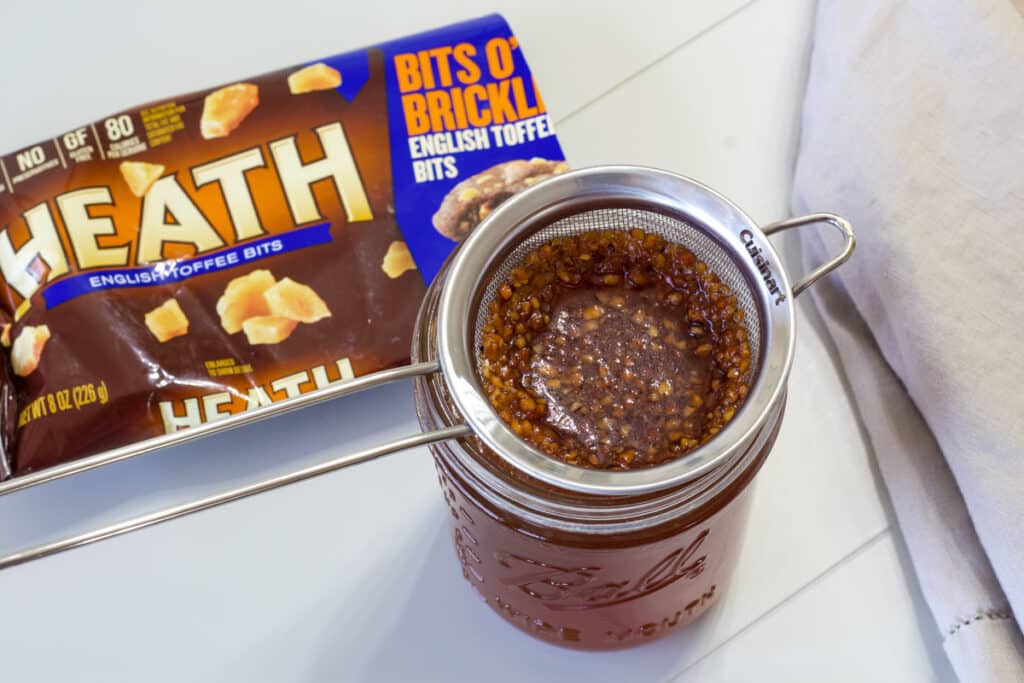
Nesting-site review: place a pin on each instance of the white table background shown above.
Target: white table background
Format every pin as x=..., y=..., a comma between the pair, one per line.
x=351, y=577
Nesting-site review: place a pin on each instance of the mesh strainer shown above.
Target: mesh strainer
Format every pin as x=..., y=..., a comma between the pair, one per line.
x=611, y=197
x=620, y=198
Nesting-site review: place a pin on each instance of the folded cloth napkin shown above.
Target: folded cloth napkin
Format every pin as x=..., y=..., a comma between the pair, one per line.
x=913, y=128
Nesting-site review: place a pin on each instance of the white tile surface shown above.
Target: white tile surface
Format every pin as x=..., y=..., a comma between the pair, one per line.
x=351, y=577
x=71, y=62
x=724, y=109
x=857, y=623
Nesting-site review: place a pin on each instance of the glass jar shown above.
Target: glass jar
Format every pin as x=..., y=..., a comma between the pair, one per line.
x=586, y=571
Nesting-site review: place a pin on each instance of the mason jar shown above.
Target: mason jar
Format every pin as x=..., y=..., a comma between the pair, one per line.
x=589, y=558
x=582, y=570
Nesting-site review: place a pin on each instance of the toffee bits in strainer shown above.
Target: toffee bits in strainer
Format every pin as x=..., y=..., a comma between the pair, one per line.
x=614, y=349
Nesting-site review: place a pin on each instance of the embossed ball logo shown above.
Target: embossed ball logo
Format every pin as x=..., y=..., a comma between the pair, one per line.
x=567, y=589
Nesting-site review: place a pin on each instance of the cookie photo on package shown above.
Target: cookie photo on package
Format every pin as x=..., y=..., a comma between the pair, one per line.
x=212, y=253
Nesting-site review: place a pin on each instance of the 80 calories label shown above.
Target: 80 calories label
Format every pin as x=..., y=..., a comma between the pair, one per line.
x=455, y=99
x=121, y=136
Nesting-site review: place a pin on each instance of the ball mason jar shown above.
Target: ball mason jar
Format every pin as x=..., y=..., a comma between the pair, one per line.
x=586, y=558
x=582, y=570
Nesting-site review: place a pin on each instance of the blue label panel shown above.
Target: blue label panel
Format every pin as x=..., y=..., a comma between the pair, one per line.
x=484, y=110
x=176, y=270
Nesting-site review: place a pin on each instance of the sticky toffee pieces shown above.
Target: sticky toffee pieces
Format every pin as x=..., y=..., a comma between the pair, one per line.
x=615, y=349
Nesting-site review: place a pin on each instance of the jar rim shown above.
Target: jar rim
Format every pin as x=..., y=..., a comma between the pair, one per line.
x=604, y=515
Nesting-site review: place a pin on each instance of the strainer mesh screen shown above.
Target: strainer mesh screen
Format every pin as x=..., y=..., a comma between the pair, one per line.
x=672, y=229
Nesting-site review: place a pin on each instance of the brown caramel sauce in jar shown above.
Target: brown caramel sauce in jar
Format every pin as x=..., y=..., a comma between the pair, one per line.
x=585, y=571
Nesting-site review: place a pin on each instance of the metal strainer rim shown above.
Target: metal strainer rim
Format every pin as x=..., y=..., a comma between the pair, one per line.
x=674, y=194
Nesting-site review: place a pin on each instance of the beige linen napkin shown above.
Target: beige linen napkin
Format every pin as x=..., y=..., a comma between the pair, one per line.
x=913, y=128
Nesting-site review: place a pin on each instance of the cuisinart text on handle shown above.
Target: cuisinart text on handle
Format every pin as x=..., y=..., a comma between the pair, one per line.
x=763, y=266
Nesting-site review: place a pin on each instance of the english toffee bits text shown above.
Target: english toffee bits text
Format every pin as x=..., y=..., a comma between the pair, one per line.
x=615, y=349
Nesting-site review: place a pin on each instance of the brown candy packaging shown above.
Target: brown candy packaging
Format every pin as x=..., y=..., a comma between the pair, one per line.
x=207, y=254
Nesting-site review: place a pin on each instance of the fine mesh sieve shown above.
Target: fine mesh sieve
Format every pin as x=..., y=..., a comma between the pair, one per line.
x=621, y=198
x=609, y=197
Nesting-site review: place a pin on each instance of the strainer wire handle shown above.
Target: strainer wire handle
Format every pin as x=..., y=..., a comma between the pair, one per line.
x=268, y=484
x=837, y=222
x=365, y=382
